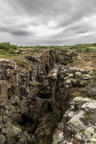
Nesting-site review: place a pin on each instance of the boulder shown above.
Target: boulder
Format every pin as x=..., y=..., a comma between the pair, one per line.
x=78, y=122
x=2, y=139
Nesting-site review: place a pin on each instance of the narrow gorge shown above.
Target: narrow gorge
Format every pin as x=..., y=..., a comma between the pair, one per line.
x=48, y=97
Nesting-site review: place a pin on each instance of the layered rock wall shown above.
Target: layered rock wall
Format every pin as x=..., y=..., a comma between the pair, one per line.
x=19, y=96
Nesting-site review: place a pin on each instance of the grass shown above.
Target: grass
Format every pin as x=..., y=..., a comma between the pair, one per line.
x=85, y=48
x=7, y=49
x=20, y=62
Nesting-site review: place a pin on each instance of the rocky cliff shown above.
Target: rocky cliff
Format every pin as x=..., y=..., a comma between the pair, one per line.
x=47, y=98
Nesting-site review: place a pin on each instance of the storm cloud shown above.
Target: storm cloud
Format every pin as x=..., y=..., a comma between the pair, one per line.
x=48, y=22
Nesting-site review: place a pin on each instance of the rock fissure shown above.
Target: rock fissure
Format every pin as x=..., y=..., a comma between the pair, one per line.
x=44, y=95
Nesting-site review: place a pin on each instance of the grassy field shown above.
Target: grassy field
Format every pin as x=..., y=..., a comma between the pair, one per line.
x=8, y=50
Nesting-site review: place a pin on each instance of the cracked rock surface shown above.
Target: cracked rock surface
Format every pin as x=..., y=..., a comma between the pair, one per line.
x=45, y=100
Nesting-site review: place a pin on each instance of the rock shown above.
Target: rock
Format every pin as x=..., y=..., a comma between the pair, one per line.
x=68, y=81
x=2, y=139
x=53, y=73
x=34, y=88
x=80, y=120
x=78, y=74
x=83, y=83
x=1, y=123
x=44, y=84
x=86, y=76
x=89, y=132
x=64, y=57
x=75, y=82
x=71, y=75
x=11, y=131
x=58, y=138
x=24, y=107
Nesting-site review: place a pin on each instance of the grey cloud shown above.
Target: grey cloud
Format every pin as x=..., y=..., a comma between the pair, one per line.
x=19, y=30
x=20, y=33
x=3, y=29
x=18, y=17
x=77, y=11
x=63, y=12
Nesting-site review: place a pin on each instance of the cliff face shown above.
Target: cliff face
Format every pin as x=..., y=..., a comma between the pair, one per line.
x=21, y=100
x=36, y=92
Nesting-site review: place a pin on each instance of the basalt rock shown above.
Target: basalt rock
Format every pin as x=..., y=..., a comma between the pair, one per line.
x=36, y=92
x=78, y=124
x=22, y=96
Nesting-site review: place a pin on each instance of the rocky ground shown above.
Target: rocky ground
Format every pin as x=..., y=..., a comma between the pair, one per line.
x=48, y=96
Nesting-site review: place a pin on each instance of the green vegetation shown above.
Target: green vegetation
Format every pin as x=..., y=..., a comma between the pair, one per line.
x=7, y=46
x=85, y=48
x=50, y=47
x=8, y=50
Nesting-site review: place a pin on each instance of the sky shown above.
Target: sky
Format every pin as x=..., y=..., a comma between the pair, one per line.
x=48, y=22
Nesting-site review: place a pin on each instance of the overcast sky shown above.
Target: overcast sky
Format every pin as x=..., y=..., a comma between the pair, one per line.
x=48, y=22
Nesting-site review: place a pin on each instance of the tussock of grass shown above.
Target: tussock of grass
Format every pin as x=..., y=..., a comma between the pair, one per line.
x=21, y=63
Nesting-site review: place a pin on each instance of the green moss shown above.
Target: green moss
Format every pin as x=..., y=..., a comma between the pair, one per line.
x=60, y=57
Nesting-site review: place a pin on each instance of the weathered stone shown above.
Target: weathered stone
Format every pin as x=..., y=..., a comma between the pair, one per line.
x=75, y=82
x=68, y=81
x=71, y=75
x=2, y=139
x=53, y=73
x=58, y=138
x=77, y=120
x=86, y=76
x=78, y=74
x=83, y=83
x=11, y=131
x=36, y=87
x=1, y=123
